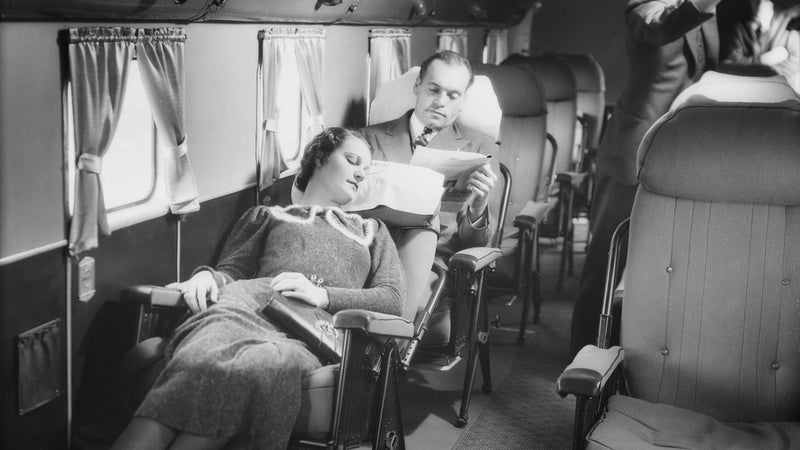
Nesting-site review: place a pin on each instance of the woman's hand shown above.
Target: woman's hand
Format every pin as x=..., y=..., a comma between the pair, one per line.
x=198, y=290
x=296, y=285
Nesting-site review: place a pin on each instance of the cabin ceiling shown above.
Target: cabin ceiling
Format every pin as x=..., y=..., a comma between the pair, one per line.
x=407, y=13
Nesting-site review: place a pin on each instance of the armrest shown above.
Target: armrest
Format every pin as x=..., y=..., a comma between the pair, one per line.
x=574, y=179
x=475, y=259
x=374, y=323
x=531, y=214
x=589, y=371
x=148, y=295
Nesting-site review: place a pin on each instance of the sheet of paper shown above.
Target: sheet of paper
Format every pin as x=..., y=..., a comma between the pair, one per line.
x=450, y=163
x=456, y=167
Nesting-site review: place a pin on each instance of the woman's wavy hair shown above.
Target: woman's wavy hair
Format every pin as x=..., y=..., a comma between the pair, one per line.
x=320, y=148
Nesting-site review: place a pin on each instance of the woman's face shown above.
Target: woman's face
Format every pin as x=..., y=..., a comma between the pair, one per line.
x=345, y=170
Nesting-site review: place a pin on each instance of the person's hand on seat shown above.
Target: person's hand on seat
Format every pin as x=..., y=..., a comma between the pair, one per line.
x=198, y=290
x=480, y=182
x=296, y=285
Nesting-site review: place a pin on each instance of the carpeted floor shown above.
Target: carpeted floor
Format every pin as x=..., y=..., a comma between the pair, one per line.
x=524, y=412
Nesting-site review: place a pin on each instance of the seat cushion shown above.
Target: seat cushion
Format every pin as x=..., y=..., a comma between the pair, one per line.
x=316, y=405
x=632, y=423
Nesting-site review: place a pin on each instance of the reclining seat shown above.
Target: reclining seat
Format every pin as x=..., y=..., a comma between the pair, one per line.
x=590, y=85
x=523, y=133
x=562, y=115
x=448, y=329
x=710, y=353
x=336, y=411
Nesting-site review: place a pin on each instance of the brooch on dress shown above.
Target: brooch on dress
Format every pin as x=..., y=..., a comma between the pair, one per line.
x=317, y=281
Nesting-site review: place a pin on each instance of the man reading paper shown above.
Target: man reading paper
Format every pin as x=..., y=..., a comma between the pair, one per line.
x=440, y=90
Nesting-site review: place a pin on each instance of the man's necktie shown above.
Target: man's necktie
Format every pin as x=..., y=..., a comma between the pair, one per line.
x=424, y=138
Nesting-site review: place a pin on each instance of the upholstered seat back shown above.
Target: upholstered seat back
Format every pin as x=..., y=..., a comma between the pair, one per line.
x=523, y=130
x=711, y=313
x=559, y=90
x=590, y=88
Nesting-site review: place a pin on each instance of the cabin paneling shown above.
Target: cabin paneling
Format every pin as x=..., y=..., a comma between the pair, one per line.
x=31, y=180
x=220, y=113
x=32, y=292
x=203, y=234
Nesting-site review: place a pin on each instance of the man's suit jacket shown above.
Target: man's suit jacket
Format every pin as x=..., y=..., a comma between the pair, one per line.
x=391, y=141
x=670, y=44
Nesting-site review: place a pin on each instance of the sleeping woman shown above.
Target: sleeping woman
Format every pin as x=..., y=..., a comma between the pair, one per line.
x=232, y=377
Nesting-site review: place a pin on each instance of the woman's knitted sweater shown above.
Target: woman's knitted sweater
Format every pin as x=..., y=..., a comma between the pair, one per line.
x=355, y=257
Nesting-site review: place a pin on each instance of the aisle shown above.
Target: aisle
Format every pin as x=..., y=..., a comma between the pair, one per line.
x=523, y=411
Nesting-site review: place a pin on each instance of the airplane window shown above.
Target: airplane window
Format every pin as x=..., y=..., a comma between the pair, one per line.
x=130, y=172
x=295, y=120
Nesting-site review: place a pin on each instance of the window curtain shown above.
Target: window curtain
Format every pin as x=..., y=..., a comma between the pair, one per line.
x=310, y=52
x=277, y=46
x=160, y=53
x=390, y=56
x=98, y=62
x=496, y=47
x=454, y=39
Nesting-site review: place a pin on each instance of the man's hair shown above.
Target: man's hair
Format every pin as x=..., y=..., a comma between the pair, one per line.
x=450, y=58
x=319, y=149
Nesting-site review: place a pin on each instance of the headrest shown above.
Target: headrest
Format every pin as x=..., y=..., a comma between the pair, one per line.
x=519, y=93
x=737, y=88
x=552, y=73
x=588, y=74
x=481, y=110
x=726, y=151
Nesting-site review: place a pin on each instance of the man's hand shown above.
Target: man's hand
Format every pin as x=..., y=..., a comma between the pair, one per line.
x=773, y=57
x=296, y=285
x=198, y=290
x=480, y=182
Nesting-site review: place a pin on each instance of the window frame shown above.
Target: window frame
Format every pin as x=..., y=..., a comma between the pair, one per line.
x=154, y=204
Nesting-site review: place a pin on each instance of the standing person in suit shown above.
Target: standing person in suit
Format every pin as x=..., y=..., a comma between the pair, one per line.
x=670, y=43
x=440, y=90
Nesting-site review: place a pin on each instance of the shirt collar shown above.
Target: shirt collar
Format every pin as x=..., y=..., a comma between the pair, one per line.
x=415, y=126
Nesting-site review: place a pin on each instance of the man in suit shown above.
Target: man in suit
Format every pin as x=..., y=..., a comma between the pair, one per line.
x=670, y=44
x=440, y=90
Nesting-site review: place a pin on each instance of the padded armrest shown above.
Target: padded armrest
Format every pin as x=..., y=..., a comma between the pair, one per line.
x=589, y=371
x=475, y=259
x=531, y=214
x=148, y=295
x=574, y=179
x=374, y=323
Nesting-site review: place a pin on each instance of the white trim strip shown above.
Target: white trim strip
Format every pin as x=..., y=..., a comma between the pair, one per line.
x=32, y=252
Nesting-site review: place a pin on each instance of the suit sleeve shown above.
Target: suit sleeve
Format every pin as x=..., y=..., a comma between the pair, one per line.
x=659, y=22
x=468, y=235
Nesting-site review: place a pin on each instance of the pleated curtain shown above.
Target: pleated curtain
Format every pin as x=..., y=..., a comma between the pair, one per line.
x=99, y=61
x=454, y=39
x=496, y=46
x=160, y=53
x=389, y=55
x=278, y=46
